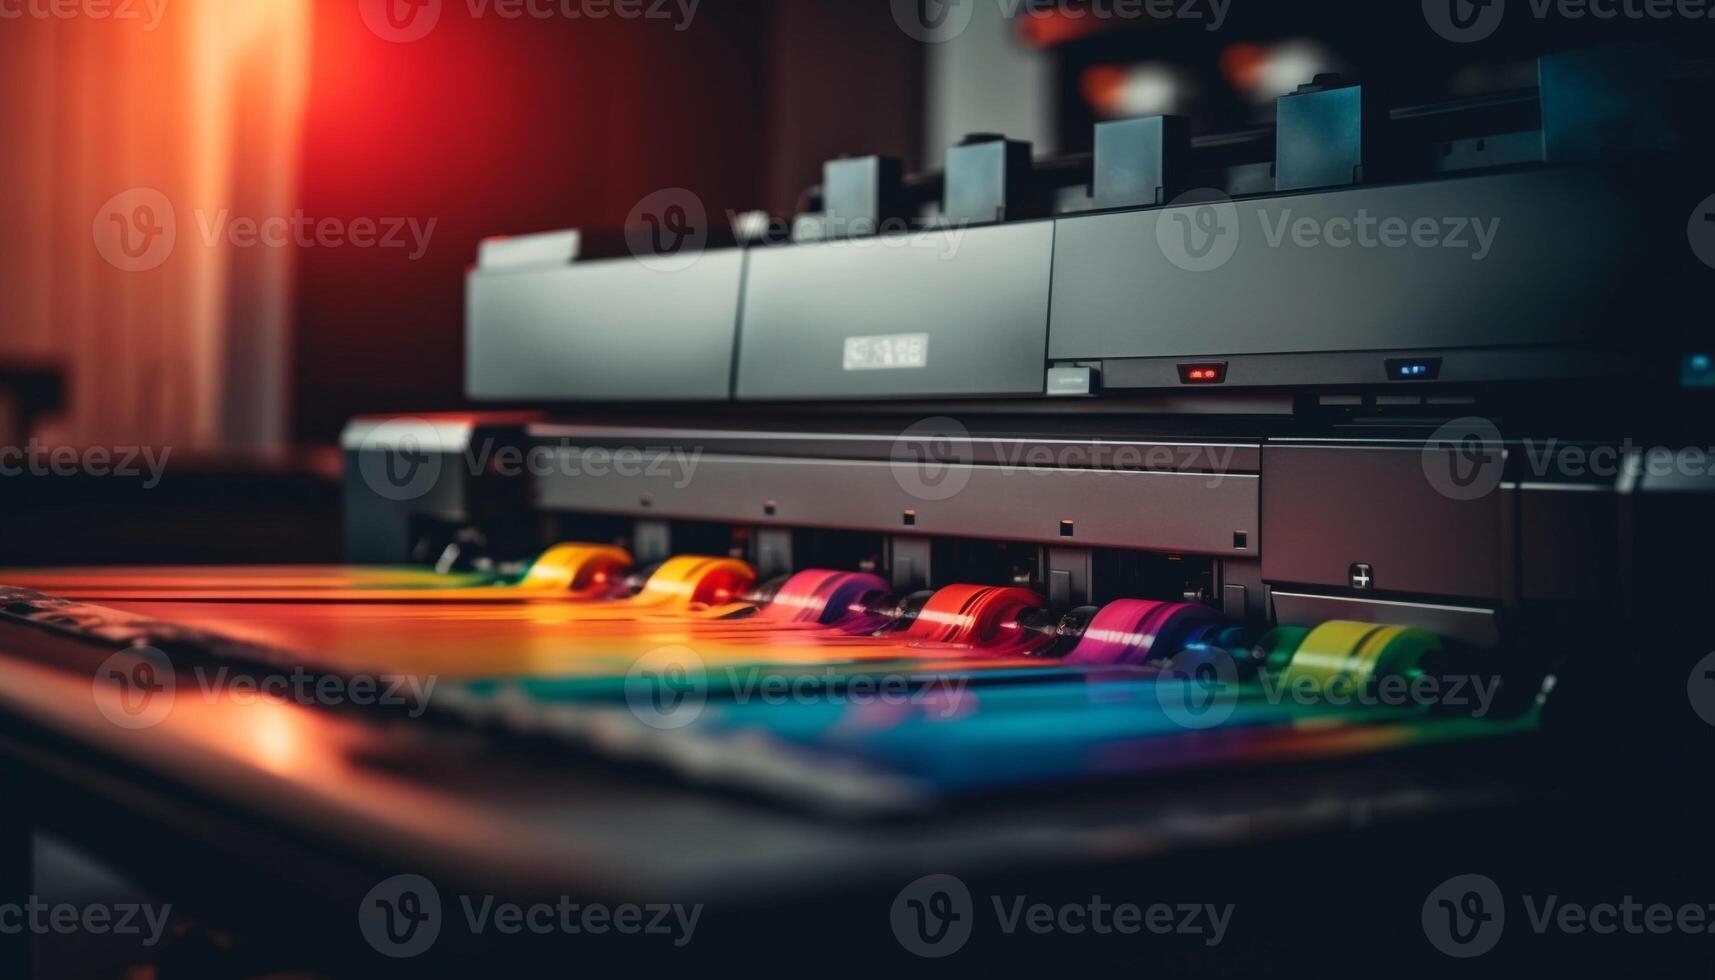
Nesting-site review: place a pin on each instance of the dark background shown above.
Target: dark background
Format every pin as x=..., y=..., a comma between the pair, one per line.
x=508, y=127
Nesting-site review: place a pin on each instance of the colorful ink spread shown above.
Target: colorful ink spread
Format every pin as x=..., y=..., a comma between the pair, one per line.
x=821, y=686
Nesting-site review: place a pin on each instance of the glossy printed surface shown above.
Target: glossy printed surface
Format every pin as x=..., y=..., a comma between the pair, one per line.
x=825, y=688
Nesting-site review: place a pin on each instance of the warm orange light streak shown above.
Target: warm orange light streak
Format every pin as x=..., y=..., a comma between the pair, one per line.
x=250, y=67
x=198, y=111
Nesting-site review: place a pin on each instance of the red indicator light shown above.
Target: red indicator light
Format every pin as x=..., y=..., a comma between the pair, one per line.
x=1203, y=374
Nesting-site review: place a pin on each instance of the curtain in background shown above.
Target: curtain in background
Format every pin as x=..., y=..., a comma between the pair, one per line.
x=127, y=149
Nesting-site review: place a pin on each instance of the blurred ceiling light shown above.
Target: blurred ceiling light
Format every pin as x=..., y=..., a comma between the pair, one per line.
x=1290, y=64
x=1242, y=64
x=1263, y=73
x=1146, y=89
x=1048, y=26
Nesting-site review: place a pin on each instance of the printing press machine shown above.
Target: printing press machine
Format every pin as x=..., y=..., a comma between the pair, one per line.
x=1474, y=437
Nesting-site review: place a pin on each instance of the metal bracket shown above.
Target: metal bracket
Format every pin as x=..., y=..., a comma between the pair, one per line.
x=909, y=563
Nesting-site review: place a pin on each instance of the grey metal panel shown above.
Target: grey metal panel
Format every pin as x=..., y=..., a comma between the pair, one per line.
x=1089, y=453
x=1544, y=280
x=1193, y=513
x=1328, y=508
x=980, y=295
x=607, y=330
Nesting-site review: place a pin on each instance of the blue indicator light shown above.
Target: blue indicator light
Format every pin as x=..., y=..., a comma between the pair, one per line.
x=1697, y=372
x=1414, y=368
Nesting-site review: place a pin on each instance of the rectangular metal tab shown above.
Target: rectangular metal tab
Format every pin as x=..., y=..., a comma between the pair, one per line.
x=610, y=330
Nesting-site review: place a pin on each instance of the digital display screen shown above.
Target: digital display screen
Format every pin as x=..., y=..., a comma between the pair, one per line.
x=887, y=352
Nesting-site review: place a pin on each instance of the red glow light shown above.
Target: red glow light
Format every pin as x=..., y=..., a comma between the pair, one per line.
x=1203, y=374
x=1242, y=64
x=1100, y=85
